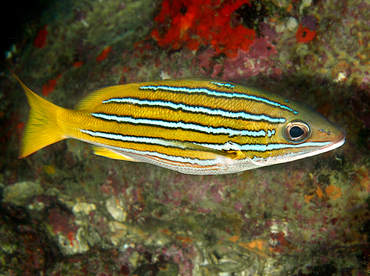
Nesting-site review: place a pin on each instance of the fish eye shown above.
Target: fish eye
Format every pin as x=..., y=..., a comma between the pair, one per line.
x=296, y=131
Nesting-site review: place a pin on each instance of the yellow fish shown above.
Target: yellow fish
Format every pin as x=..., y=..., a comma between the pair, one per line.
x=194, y=126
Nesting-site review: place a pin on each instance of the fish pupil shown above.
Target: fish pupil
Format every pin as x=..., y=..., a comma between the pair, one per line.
x=296, y=132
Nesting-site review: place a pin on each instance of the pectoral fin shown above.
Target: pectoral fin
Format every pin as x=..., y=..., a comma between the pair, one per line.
x=231, y=154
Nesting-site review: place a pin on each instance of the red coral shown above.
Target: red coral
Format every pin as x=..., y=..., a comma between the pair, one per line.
x=40, y=40
x=304, y=34
x=209, y=23
x=78, y=64
x=49, y=87
x=103, y=55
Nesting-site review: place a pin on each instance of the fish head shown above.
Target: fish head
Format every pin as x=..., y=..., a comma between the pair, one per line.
x=305, y=133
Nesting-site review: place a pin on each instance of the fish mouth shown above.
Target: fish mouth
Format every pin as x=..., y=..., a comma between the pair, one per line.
x=338, y=142
x=333, y=146
x=341, y=138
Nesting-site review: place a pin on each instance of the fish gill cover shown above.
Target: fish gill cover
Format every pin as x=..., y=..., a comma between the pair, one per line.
x=191, y=24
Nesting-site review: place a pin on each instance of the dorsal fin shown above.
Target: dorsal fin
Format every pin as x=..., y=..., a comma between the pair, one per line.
x=97, y=97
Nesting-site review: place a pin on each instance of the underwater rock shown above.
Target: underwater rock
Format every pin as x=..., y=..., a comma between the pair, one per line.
x=115, y=209
x=83, y=208
x=19, y=193
x=119, y=232
x=73, y=244
x=292, y=24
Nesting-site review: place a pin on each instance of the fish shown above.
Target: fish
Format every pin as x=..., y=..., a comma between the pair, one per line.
x=193, y=126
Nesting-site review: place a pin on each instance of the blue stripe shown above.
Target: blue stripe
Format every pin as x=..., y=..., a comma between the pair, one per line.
x=180, y=125
x=220, y=164
x=198, y=109
x=150, y=154
x=262, y=147
x=222, y=147
x=223, y=84
x=125, y=138
x=217, y=94
x=147, y=154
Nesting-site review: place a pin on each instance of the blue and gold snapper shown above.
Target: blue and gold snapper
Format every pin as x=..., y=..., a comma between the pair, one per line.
x=193, y=126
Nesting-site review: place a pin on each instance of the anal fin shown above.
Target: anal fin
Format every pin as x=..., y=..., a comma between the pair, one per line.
x=111, y=154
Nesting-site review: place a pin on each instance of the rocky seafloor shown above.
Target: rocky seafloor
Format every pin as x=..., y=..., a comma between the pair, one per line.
x=66, y=211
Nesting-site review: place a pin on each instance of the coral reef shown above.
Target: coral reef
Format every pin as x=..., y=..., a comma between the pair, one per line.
x=193, y=25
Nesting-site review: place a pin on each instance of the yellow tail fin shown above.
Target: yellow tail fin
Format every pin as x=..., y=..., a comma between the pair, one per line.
x=42, y=128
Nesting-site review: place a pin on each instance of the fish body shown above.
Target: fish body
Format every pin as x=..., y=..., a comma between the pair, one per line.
x=194, y=126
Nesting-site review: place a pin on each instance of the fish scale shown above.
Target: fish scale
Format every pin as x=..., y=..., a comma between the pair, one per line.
x=194, y=126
